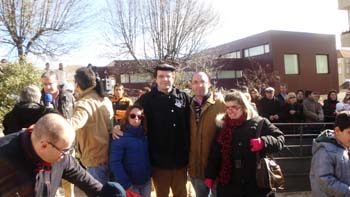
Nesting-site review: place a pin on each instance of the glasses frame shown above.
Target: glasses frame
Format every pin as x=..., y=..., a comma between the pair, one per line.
x=64, y=151
x=133, y=116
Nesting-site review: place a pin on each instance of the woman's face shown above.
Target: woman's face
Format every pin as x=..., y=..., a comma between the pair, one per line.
x=333, y=96
x=135, y=117
x=253, y=94
x=292, y=99
x=233, y=109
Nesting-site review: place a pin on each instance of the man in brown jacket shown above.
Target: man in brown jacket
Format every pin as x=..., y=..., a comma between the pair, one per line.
x=204, y=108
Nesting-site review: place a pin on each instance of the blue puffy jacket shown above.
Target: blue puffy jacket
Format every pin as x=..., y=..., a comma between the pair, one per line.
x=129, y=158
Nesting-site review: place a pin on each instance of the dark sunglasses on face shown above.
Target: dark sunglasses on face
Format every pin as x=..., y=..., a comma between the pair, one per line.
x=133, y=116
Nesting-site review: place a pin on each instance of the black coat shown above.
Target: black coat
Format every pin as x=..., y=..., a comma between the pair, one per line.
x=23, y=115
x=19, y=172
x=243, y=181
x=268, y=107
x=168, y=128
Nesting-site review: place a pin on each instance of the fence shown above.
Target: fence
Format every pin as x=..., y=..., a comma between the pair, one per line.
x=295, y=158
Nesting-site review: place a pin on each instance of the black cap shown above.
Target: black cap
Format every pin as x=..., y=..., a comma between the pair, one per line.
x=165, y=67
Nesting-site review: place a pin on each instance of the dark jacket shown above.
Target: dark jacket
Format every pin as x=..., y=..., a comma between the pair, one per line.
x=64, y=102
x=23, y=173
x=243, y=181
x=23, y=115
x=297, y=117
x=329, y=110
x=168, y=127
x=129, y=158
x=270, y=107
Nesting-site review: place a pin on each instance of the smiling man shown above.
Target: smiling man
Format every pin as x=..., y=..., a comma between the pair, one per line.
x=33, y=162
x=204, y=109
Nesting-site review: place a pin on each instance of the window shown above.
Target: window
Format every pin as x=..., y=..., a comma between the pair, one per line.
x=234, y=55
x=140, y=78
x=321, y=64
x=258, y=50
x=230, y=74
x=124, y=78
x=291, y=64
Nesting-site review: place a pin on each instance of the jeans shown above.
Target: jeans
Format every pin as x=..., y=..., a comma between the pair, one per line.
x=201, y=188
x=144, y=190
x=100, y=173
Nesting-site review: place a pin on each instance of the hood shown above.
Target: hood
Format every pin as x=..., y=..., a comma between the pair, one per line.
x=327, y=140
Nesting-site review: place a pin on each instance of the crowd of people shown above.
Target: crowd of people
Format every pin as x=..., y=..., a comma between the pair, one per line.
x=165, y=137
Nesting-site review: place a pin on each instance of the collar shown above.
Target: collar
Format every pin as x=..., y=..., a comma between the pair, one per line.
x=85, y=92
x=28, y=148
x=208, y=97
x=173, y=92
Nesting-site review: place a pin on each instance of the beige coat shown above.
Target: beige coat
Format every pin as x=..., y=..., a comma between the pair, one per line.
x=93, y=120
x=202, y=135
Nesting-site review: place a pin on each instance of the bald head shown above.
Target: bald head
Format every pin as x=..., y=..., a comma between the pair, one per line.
x=52, y=137
x=200, y=84
x=54, y=127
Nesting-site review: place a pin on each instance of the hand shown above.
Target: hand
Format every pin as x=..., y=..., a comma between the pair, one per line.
x=292, y=112
x=112, y=189
x=209, y=183
x=116, y=132
x=257, y=144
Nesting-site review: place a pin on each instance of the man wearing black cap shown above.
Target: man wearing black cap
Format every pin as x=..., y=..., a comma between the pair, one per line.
x=166, y=110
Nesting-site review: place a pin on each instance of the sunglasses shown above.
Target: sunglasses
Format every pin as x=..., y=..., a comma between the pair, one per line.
x=233, y=107
x=133, y=116
x=64, y=151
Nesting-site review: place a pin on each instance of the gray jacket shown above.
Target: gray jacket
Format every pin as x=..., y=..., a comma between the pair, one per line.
x=330, y=167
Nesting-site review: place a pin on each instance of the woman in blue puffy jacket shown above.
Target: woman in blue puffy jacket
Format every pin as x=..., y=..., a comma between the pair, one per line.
x=129, y=158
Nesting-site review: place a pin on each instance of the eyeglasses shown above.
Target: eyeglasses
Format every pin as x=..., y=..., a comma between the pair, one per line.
x=64, y=151
x=133, y=116
x=233, y=107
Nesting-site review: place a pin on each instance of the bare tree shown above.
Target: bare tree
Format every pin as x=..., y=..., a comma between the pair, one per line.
x=39, y=27
x=165, y=30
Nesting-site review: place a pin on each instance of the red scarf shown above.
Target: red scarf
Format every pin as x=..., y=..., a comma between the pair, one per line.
x=225, y=140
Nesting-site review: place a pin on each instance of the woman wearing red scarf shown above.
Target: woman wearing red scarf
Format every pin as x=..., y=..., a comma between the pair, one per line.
x=232, y=160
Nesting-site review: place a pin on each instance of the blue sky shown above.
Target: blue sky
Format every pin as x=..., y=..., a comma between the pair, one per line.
x=238, y=19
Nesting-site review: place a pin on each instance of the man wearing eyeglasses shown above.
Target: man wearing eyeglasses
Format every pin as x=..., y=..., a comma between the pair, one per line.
x=33, y=162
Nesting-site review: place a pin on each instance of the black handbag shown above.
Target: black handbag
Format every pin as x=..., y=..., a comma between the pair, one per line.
x=268, y=172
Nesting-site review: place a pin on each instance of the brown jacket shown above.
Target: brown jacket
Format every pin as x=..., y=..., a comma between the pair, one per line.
x=93, y=120
x=202, y=135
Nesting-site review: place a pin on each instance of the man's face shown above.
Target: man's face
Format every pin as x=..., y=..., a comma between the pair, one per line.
x=200, y=84
x=343, y=136
x=269, y=95
x=283, y=89
x=165, y=80
x=118, y=92
x=49, y=84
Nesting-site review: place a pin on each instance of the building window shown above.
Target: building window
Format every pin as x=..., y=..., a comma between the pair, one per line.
x=124, y=78
x=140, y=78
x=321, y=64
x=258, y=50
x=291, y=64
x=234, y=55
x=229, y=74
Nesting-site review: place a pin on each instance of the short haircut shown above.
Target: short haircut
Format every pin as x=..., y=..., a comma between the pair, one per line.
x=48, y=74
x=163, y=67
x=85, y=78
x=308, y=93
x=118, y=85
x=342, y=120
x=30, y=94
x=51, y=126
